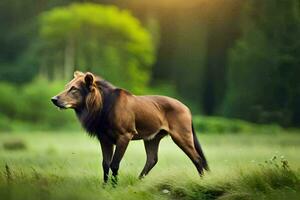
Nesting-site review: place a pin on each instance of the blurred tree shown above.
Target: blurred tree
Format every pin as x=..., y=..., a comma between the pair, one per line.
x=264, y=68
x=256, y=80
x=17, y=31
x=102, y=39
x=192, y=53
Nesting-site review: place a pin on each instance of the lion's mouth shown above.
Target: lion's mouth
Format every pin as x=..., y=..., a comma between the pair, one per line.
x=64, y=106
x=59, y=106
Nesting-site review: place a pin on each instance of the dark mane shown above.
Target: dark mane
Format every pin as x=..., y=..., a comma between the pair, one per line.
x=95, y=121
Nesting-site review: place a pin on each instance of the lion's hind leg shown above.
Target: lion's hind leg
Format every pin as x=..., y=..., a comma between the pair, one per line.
x=151, y=147
x=185, y=142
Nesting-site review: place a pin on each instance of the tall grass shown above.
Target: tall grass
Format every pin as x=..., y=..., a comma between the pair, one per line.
x=68, y=166
x=266, y=181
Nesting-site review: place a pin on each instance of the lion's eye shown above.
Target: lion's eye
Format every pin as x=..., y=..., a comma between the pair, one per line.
x=73, y=90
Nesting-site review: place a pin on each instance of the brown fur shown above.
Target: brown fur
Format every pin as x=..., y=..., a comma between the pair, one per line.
x=115, y=116
x=94, y=100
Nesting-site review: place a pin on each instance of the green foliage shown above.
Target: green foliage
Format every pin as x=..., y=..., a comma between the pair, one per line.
x=31, y=104
x=29, y=107
x=9, y=100
x=5, y=123
x=243, y=66
x=263, y=84
x=103, y=39
x=225, y=125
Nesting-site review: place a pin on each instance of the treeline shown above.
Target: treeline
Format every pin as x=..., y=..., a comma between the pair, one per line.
x=31, y=110
x=28, y=107
x=224, y=57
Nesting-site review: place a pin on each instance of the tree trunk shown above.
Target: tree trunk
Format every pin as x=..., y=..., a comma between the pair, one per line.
x=69, y=59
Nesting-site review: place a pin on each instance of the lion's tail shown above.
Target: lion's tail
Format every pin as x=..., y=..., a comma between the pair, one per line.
x=199, y=150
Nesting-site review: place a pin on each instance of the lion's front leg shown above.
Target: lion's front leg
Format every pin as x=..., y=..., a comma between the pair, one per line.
x=121, y=146
x=107, y=152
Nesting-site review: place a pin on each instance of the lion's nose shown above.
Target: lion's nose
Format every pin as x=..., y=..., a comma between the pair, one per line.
x=54, y=100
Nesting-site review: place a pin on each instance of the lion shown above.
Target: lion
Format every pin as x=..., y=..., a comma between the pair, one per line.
x=116, y=116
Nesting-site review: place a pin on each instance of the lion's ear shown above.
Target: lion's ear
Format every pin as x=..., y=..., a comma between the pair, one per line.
x=78, y=73
x=89, y=79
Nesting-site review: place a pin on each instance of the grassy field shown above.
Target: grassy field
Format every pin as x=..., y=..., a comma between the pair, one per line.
x=67, y=166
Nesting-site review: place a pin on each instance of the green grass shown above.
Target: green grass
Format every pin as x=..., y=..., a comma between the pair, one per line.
x=67, y=166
